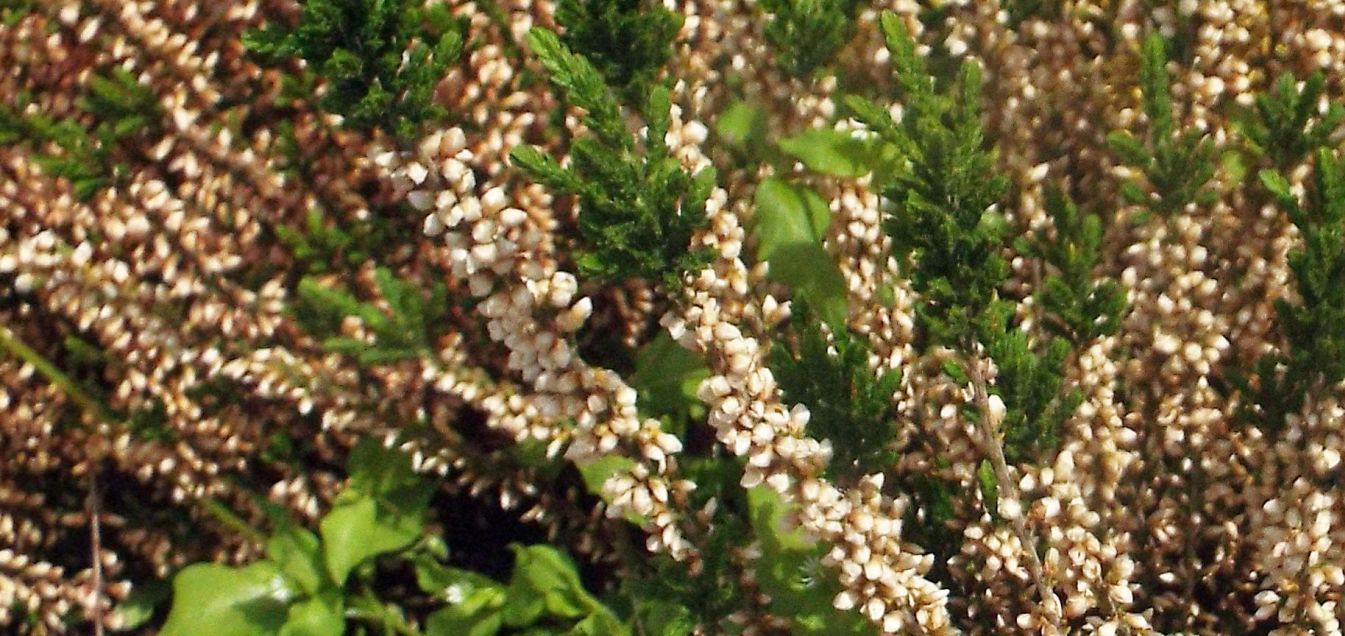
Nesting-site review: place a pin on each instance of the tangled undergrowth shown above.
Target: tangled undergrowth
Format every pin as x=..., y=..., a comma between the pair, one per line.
x=431, y=317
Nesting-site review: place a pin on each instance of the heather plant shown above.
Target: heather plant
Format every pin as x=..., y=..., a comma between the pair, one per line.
x=623, y=317
x=380, y=59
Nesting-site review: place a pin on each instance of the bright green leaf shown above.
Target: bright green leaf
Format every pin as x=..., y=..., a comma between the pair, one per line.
x=297, y=552
x=667, y=376
x=810, y=271
x=356, y=530
x=787, y=214
x=215, y=599
x=315, y=617
x=140, y=605
x=829, y=151
x=742, y=125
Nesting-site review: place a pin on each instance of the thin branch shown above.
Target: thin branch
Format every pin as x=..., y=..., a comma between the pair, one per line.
x=72, y=389
x=988, y=423
x=93, y=406
x=96, y=547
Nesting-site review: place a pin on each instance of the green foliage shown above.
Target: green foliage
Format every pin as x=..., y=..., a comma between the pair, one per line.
x=1029, y=384
x=637, y=207
x=87, y=158
x=1310, y=324
x=941, y=192
x=789, y=224
x=140, y=605
x=544, y=596
x=790, y=572
x=1076, y=306
x=302, y=584
x=667, y=376
x=406, y=331
x=942, y=182
x=320, y=245
x=628, y=41
x=1288, y=127
x=806, y=34
x=124, y=107
x=742, y=127
x=12, y=11
x=375, y=56
x=313, y=584
x=229, y=601
x=1021, y=10
x=989, y=485
x=830, y=152
x=665, y=598
x=1176, y=166
x=849, y=405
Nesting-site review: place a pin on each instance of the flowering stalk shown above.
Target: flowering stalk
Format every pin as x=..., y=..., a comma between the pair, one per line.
x=991, y=410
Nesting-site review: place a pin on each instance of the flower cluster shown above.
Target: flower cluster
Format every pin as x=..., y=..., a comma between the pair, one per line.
x=1081, y=261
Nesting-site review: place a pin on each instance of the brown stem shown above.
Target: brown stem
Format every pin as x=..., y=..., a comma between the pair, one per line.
x=994, y=451
x=96, y=547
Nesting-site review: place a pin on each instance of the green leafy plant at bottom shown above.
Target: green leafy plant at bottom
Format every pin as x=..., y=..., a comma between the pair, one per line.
x=322, y=584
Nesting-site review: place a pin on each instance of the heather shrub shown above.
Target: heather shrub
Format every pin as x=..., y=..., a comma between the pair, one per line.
x=628, y=317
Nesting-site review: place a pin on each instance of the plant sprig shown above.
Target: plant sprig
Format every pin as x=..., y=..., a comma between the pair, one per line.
x=1311, y=323
x=1287, y=126
x=942, y=193
x=849, y=404
x=381, y=58
x=628, y=41
x=403, y=333
x=1176, y=166
x=638, y=208
x=88, y=158
x=1076, y=306
x=806, y=34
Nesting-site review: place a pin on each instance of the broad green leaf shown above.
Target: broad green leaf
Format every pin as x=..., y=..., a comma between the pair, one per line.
x=140, y=605
x=597, y=472
x=478, y=615
x=768, y=512
x=667, y=376
x=440, y=580
x=810, y=271
x=215, y=599
x=543, y=569
x=660, y=617
x=316, y=617
x=742, y=125
x=600, y=624
x=299, y=556
x=356, y=530
x=829, y=152
x=789, y=572
x=789, y=224
x=787, y=214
